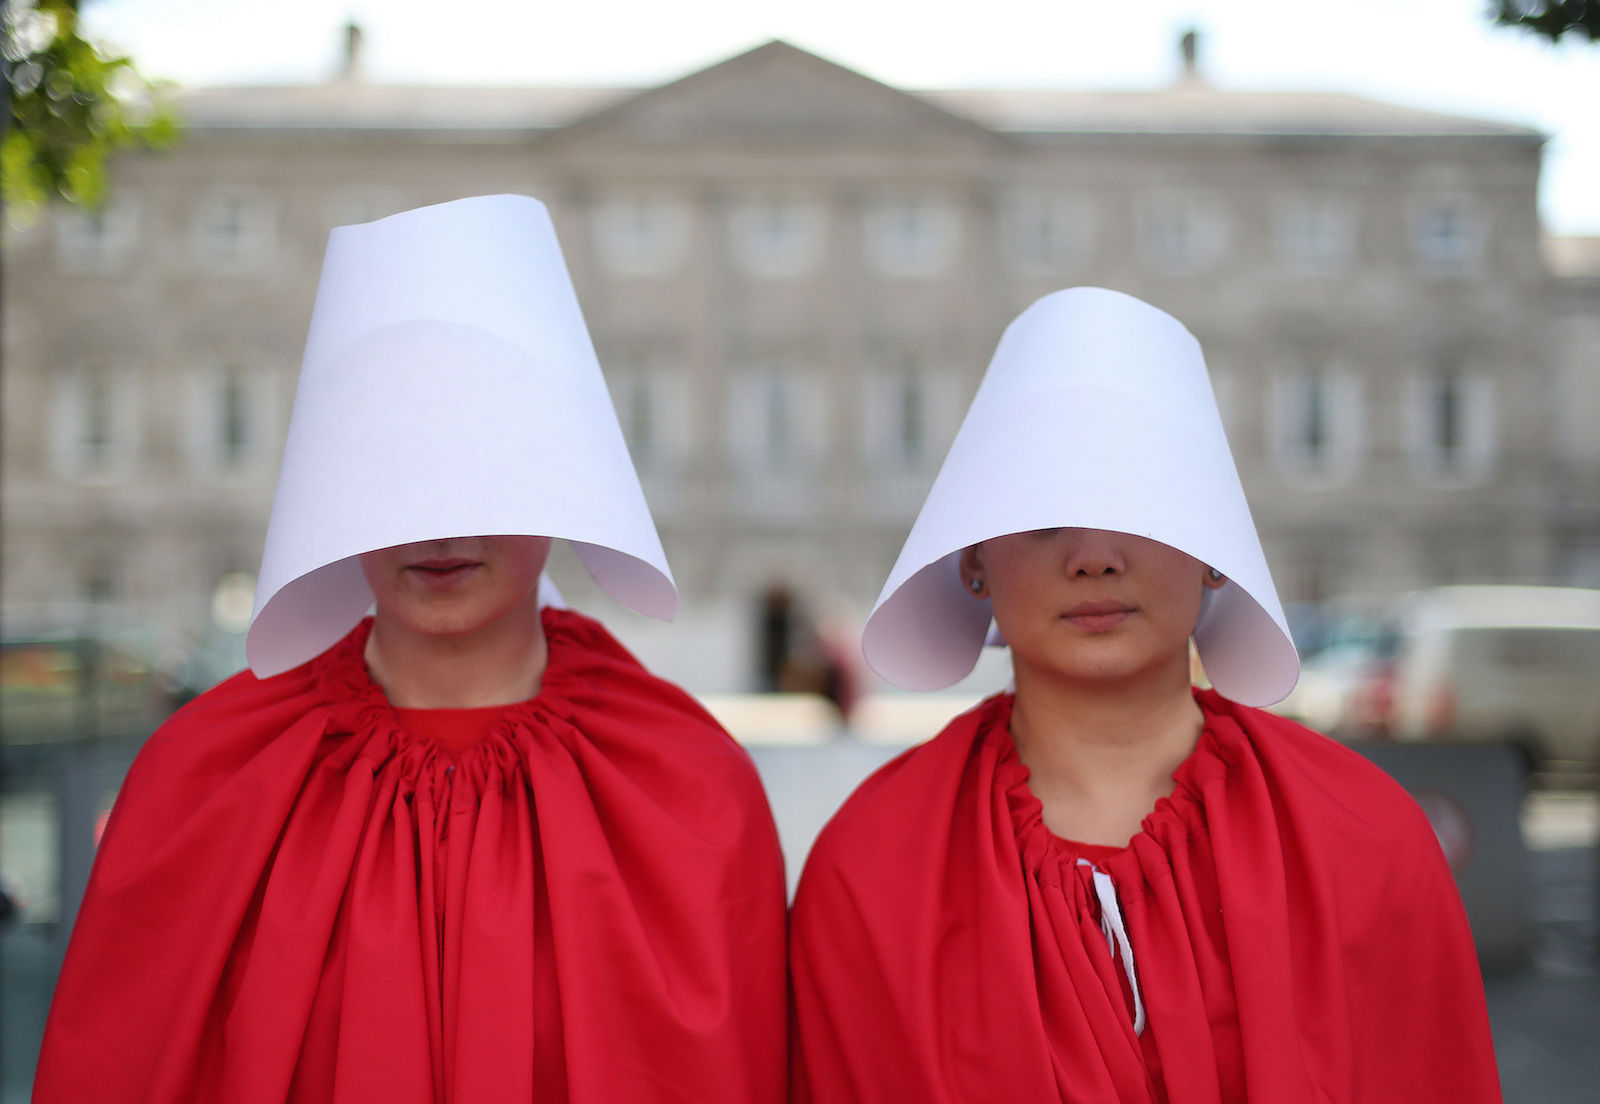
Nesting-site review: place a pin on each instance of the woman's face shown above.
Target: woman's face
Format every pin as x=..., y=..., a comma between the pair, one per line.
x=1089, y=605
x=455, y=586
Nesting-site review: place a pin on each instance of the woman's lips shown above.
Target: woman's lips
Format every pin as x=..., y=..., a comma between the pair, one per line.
x=442, y=574
x=1098, y=617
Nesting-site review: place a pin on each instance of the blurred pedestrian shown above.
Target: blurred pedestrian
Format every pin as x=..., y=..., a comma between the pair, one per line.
x=1106, y=885
x=466, y=849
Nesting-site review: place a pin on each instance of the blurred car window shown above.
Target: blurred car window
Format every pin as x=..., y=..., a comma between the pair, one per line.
x=1502, y=663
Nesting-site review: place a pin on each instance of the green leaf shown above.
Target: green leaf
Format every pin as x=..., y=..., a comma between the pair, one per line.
x=71, y=107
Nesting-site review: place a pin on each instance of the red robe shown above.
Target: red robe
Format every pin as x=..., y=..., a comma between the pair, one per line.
x=297, y=900
x=1296, y=936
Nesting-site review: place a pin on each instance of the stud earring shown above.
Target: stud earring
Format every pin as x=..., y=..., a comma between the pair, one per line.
x=976, y=586
x=1216, y=576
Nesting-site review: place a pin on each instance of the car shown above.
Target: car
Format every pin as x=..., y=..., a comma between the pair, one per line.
x=1513, y=664
x=70, y=673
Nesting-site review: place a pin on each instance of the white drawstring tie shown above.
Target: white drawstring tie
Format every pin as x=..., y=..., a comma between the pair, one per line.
x=1116, y=933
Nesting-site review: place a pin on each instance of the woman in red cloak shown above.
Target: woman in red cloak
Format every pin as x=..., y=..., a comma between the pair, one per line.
x=1107, y=886
x=467, y=849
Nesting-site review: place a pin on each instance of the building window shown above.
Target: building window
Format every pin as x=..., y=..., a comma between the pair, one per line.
x=1451, y=423
x=777, y=437
x=234, y=232
x=777, y=238
x=1046, y=233
x=1447, y=236
x=233, y=421
x=638, y=416
x=910, y=413
x=896, y=420
x=97, y=581
x=1575, y=356
x=916, y=238
x=99, y=240
x=1314, y=236
x=780, y=442
x=1224, y=390
x=906, y=415
x=652, y=404
x=1182, y=235
x=230, y=423
x=95, y=415
x=96, y=439
x=1317, y=425
x=642, y=236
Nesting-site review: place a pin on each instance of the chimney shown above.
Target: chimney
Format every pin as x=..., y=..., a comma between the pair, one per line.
x=1189, y=52
x=350, y=70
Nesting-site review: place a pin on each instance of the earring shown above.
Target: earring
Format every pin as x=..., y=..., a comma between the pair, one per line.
x=976, y=586
x=1216, y=576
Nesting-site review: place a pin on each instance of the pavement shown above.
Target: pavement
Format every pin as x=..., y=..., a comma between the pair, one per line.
x=1544, y=1014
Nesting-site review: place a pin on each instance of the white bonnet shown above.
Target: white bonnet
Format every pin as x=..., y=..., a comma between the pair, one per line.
x=1096, y=412
x=449, y=388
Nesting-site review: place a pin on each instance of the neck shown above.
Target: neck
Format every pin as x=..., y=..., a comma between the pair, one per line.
x=1101, y=754
x=498, y=664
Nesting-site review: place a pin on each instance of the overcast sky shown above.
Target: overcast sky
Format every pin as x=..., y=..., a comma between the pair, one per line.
x=1438, y=54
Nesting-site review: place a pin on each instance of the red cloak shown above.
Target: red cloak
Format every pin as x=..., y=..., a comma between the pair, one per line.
x=297, y=900
x=1295, y=936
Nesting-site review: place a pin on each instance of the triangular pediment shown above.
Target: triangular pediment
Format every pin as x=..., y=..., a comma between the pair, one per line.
x=777, y=96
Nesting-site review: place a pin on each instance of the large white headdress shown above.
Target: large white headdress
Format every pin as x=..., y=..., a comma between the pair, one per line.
x=1096, y=412
x=449, y=388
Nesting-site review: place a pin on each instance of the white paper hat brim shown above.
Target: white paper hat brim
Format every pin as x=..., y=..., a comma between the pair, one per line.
x=1096, y=413
x=449, y=388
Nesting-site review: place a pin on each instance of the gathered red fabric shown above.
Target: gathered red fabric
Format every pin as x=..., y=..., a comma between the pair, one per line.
x=299, y=900
x=454, y=730
x=1293, y=933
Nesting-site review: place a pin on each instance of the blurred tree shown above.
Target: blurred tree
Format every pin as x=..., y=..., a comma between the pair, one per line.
x=71, y=106
x=1550, y=18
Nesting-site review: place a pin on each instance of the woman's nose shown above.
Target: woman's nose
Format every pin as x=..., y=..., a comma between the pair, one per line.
x=1092, y=553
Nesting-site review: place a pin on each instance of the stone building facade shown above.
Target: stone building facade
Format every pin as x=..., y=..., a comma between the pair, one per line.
x=1572, y=390
x=795, y=276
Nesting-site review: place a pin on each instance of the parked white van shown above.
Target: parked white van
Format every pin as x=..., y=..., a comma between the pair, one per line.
x=1502, y=663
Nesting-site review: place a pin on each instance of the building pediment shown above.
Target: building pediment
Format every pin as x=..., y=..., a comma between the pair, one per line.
x=777, y=96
